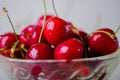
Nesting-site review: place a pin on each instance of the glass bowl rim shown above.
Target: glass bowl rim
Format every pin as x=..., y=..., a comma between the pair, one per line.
x=105, y=57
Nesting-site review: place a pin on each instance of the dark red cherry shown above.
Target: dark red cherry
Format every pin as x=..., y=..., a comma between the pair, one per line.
x=25, y=35
x=7, y=39
x=107, y=30
x=36, y=70
x=56, y=30
x=36, y=34
x=69, y=49
x=103, y=43
x=5, y=52
x=39, y=51
x=10, y=46
x=83, y=34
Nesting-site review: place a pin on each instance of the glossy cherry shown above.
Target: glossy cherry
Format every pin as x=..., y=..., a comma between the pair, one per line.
x=6, y=42
x=25, y=35
x=83, y=34
x=69, y=49
x=107, y=30
x=103, y=42
x=40, y=51
x=36, y=34
x=56, y=30
x=7, y=39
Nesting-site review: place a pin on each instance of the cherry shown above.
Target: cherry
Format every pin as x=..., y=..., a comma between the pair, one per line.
x=36, y=34
x=9, y=45
x=36, y=70
x=56, y=30
x=39, y=51
x=25, y=35
x=7, y=39
x=6, y=42
x=40, y=20
x=69, y=49
x=103, y=42
x=107, y=30
x=74, y=31
x=83, y=34
x=5, y=52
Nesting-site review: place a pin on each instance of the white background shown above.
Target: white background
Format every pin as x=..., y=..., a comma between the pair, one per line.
x=88, y=15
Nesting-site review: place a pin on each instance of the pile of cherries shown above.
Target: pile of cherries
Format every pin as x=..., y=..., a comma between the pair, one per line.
x=53, y=38
x=58, y=39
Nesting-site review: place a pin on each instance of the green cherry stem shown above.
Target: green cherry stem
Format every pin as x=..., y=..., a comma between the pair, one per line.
x=43, y=24
x=6, y=12
x=54, y=8
x=117, y=30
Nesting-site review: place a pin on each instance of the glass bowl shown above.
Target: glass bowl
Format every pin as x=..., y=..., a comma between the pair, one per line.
x=98, y=68
x=87, y=15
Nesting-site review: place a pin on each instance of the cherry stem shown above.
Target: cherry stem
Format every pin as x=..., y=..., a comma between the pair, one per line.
x=54, y=8
x=117, y=30
x=6, y=12
x=43, y=24
x=13, y=49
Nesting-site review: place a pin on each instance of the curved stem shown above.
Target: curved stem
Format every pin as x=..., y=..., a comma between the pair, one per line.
x=6, y=12
x=43, y=24
x=54, y=8
x=17, y=43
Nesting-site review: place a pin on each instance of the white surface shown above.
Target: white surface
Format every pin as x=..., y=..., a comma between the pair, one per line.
x=85, y=14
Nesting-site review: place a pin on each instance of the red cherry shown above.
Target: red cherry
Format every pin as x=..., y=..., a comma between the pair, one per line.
x=107, y=30
x=69, y=49
x=36, y=34
x=103, y=43
x=36, y=70
x=74, y=31
x=5, y=52
x=9, y=45
x=7, y=39
x=26, y=35
x=83, y=34
x=40, y=51
x=56, y=30
x=40, y=20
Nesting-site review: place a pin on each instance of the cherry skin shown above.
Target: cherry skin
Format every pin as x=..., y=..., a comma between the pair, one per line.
x=39, y=51
x=25, y=35
x=5, y=52
x=40, y=20
x=69, y=49
x=6, y=42
x=7, y=39
x=102, y=43
x=83, y=34
x=36, y=34
x=56, y=30
x=107, y=30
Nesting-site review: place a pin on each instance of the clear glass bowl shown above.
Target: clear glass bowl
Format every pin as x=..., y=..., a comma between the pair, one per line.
x=88, y=15
x=98, y=68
